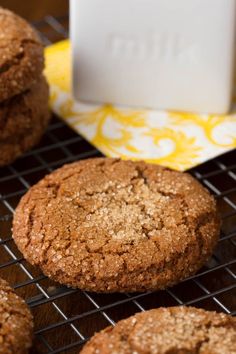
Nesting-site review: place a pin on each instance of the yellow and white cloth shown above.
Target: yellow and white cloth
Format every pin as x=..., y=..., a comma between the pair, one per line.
x=174, y=139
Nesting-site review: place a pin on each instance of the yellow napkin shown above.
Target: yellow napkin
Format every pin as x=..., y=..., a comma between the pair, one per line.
x=174, y=139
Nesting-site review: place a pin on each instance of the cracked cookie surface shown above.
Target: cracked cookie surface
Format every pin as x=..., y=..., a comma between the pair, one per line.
x=21, y=55
x=108, y=225
x=23, y=120
x=174, y=330
x=16, y=325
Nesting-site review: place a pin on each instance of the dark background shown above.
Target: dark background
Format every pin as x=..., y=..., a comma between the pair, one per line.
x=34, y=10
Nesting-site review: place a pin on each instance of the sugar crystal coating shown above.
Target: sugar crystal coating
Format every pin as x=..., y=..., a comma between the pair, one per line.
x=23, y=120
x=110, y=225
x=16, y=326
x=174, y=330
x=21, y=55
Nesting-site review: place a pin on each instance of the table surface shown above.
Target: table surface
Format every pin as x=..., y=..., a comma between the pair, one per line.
x=35, y=10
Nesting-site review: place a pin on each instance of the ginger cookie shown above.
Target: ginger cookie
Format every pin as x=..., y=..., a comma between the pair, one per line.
x=16, y=325
x=23, y=120
x=21, y=55
x=174, y=330
x=109, y=225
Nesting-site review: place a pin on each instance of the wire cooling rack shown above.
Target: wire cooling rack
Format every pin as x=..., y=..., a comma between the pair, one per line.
x=65, y=318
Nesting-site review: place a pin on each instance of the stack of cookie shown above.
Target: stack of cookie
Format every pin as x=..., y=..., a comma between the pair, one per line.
x=24, y=112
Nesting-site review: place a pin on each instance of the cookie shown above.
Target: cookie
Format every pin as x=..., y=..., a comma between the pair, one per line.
x=174, y=330
x=23, y=120
x=21, y=55
x=16, y=325
x=108, y=225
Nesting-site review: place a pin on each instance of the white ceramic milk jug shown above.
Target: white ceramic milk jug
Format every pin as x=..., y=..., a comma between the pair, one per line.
x=173, y=54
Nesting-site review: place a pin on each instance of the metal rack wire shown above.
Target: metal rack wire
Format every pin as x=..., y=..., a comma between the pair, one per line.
x=65, y=318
